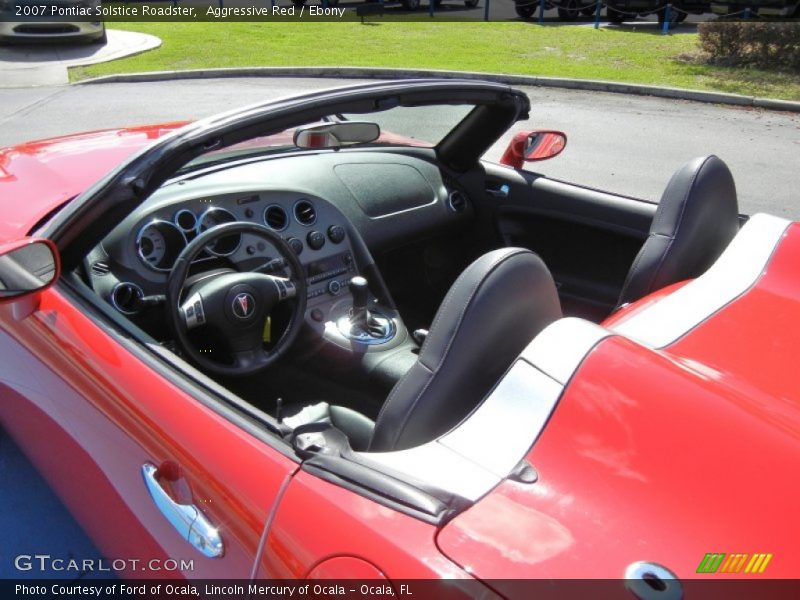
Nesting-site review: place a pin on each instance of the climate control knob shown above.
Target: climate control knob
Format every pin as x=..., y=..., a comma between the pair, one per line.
x=295, y=244
x=315, y=240
x=334, y=287
x=336, y=233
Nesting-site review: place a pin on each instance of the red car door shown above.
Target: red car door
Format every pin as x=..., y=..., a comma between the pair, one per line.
x=143, y=465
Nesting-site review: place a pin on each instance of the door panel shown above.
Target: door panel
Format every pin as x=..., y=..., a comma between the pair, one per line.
x=112, y=414
x=317, y=522
x=587, y=238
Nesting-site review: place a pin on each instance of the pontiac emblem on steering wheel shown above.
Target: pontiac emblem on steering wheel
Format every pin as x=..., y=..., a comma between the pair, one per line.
x=243, y=305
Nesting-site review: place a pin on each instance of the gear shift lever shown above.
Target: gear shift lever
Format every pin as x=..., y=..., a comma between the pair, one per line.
x=360, y=291
x=363, y=325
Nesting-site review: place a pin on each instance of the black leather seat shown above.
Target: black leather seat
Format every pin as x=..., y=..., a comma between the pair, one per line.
x=495, y=307
x=696, y=219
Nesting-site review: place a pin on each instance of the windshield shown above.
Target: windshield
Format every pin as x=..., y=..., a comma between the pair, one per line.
x=420, y=126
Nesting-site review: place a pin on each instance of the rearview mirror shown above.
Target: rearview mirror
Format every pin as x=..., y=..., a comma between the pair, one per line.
x=335, y=135
x=27, y=266
x=531, y=146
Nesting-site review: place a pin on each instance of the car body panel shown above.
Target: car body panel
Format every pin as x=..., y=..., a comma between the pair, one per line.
x=660, y=455
x=33, y=21
x=37, y=177
x=317, y=521
x=116, y=414
x=50, y=31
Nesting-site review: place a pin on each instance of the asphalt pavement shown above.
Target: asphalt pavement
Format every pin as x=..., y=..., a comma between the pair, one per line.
x=630, y=145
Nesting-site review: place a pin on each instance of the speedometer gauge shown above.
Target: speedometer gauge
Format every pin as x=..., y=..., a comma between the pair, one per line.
x=217, y=216
x=159, y=243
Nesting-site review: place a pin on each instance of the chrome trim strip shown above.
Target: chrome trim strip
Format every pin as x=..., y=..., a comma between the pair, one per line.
x=140, y=233
x=176, y=218
x=738, y=268
x=470, y=464
x=478, y=454
x=198, y=231
x=451, y=204
x=113, y=296
x=516, y=411
x=264, y=217
x=561, y=347
x=294, y=212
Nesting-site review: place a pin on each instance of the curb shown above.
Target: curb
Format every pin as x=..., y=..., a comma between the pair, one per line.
x=592, y=85
x=146, y=43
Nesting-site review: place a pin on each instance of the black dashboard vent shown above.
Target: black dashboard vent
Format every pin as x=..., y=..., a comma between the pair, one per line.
x=305, y=213
x=100, y=268
x=276, y=218
x=457, y=201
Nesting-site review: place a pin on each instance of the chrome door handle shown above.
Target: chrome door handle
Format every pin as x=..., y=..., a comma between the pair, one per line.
x=187, y=519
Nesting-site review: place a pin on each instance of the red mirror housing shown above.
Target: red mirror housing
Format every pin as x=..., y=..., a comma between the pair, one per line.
x=531, y=146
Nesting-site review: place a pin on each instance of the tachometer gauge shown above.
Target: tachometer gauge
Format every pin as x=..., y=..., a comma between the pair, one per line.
x=217, y=216
x=159, y=243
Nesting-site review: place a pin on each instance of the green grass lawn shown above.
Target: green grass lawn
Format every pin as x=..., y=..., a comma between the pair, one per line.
x=518, y=48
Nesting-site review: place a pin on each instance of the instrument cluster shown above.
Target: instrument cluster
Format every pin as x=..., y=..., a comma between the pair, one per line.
x=159, y=242
x=313, y=228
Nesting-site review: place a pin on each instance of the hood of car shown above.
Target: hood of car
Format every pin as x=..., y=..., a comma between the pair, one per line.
x=38, y=177
x=661, y=455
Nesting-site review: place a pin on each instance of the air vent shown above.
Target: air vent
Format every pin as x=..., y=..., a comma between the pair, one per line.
x=457, y=201
x=100, y=268
x=127, y=298
x=305, y=213
x=275, y=218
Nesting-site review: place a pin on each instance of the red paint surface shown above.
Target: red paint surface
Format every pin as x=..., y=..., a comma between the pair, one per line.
x=37, y=177
x=317, y=520
x=662, y=455
x=115, y=414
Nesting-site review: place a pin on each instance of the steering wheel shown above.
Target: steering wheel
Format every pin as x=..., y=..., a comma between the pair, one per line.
x=234, y=305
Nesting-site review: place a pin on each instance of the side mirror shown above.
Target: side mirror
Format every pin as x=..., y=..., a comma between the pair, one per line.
x=531, y=146
x=27, y=266
x=335, y=135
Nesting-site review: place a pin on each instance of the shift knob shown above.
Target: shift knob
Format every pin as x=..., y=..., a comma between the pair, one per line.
x=360, y=291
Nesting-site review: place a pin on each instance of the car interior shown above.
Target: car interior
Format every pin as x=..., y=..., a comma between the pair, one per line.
x=354, y=272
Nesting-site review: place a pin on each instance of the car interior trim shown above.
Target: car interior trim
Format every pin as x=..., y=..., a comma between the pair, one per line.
x=735, y=271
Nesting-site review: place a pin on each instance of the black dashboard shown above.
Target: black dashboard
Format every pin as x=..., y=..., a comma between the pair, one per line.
x=333, y=208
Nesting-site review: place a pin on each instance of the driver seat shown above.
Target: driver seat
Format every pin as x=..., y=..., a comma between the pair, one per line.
x=492, y=311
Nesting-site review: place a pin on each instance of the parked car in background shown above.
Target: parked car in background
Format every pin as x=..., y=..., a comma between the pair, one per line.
x=35, y=21
x=568, y=10
x=625, y=10
x=764, y=8
x=415, y=4
x=407, y=4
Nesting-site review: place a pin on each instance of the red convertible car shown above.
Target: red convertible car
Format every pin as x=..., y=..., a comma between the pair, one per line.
x=283, y=343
